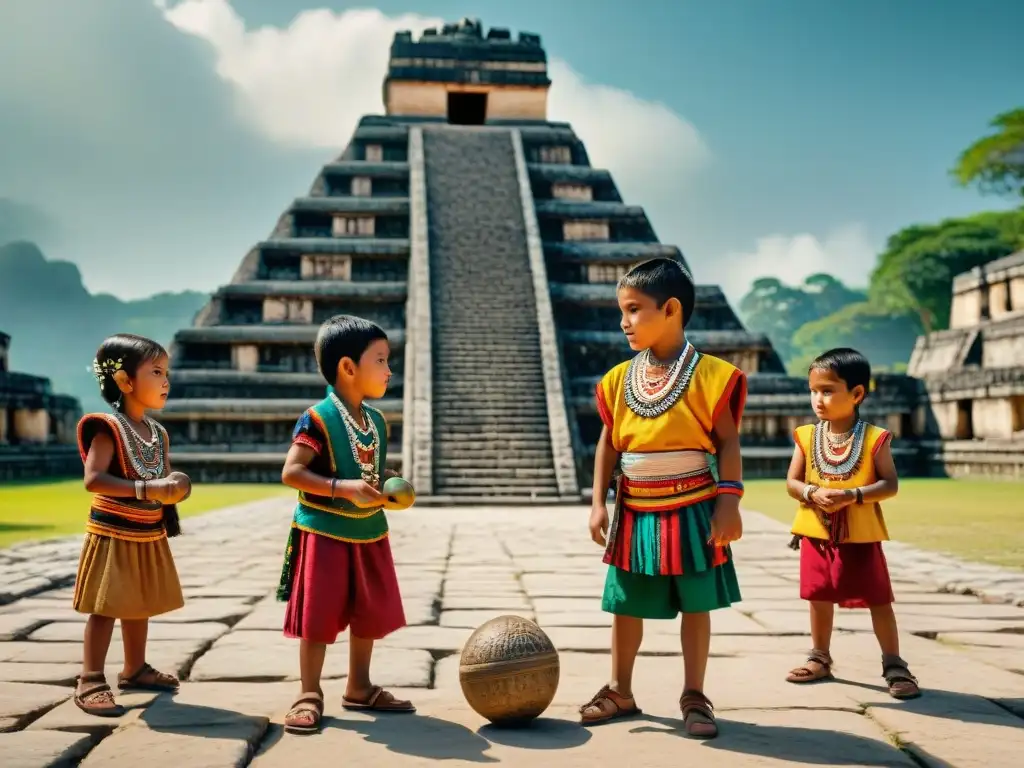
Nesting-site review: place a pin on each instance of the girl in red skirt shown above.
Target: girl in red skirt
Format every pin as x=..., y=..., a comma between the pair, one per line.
x=842, y=468
x=338, y=572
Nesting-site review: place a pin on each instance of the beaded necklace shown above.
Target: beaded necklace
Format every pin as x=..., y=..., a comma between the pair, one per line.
x=145, y=456
x=650, y=395
x=360, y=439
x=838, y=457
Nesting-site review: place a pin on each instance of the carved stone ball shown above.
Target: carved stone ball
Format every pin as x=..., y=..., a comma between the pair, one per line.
x=509, y=671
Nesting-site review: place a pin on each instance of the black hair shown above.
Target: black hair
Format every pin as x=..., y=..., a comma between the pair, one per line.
x=343, y=336
x=124, y=352
x=663, y=279
x=849, y=365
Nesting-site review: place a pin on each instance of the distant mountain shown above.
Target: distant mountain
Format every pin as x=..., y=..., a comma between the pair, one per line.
x=56, y=325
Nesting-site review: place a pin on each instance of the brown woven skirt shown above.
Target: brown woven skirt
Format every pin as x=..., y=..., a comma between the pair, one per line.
x=126, y=579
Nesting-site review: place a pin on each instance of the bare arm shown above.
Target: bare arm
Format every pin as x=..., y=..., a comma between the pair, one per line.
x=726, y=438
x=888, y=482
x=296, y=473
x=797, y=472
x=604, y=464
x=97, y=470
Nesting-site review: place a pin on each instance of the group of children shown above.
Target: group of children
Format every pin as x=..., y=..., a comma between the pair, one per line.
x=669, y=443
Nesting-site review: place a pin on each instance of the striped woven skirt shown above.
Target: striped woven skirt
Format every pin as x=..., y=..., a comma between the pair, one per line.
x=662, y=520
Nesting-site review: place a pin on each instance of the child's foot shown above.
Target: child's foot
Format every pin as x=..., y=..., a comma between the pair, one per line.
x=146, y=678
x=94, y=697
x=902, y=684
x=305, y=714
x=818, y=667
x=375, y=699
x=698, y=715
x=607, y=705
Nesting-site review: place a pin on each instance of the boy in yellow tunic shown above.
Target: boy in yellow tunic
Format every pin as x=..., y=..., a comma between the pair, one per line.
x=671, y=419
x=842, y=468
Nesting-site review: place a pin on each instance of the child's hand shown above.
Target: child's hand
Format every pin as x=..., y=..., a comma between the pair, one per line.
x=599, y=523
x=171, y=489
x=360, y=493
x=726, y=522
x=831, y=500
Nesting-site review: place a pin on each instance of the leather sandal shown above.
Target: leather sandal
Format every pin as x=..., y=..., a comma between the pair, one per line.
x=698, y=715
x=902, y=684
x=608, y=705
x=94, y=697
x=305, y=715
x=808, y=674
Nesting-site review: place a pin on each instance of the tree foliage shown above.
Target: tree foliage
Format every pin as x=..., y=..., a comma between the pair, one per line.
x=886, y=338
x=915, y=272
x=777, y=310
x=995, y=164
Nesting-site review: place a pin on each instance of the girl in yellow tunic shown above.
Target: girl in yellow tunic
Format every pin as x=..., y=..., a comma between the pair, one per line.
x=671, y=417
x=841, y=469
x=126, y=570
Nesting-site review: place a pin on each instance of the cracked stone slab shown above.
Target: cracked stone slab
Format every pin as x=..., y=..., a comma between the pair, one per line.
x=201, y=746
x=485, y=602
x=72, y=631
x=31, y=749
x=14, y=626
x=19, y=701
x=169, y=652
x=985, y=639
x=212, y=609
x=948, y=729
x=473, y=619
x=68, y=717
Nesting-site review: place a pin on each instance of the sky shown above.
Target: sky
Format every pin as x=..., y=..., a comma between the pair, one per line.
x=154, y=142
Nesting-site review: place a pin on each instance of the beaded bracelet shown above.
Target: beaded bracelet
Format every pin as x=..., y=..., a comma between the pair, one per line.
x=808, y=490
x=860, y=495
x=733, y=487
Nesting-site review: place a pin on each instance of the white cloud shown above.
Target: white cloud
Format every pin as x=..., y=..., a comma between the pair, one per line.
x=845, y=253
x=308, y=84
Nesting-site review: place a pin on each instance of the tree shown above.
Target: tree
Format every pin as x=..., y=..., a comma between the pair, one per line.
x=886, y=339
x=915, y=272
x=996, y=163
x=777, y=310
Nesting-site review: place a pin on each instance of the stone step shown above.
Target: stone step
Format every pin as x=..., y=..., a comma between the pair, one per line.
x=494, y=454
x=445, y=440
x=511, y=499
x=469, y=422
x=470, y=462
x=503, y=488
x=501, y=472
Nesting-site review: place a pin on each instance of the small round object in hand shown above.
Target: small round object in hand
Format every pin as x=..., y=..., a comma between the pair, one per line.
x=398, y=494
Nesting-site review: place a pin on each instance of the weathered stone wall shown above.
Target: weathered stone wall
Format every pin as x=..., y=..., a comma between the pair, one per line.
x=558, y=418
x=417, y=436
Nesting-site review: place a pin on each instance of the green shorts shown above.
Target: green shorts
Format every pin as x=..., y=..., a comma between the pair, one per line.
x=665, y=597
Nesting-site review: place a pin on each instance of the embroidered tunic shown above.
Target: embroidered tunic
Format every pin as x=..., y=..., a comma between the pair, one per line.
x=322, y=429
x=123, y=517
x=668, y=485
x=858, y=523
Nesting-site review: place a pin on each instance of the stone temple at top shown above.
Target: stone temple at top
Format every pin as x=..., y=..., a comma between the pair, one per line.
x=478, y=235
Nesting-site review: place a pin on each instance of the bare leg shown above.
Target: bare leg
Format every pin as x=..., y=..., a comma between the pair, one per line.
x=311, y=665
x=822, y=618
x=627, y=635
x=883, y=620
x=696, y=641
x=134, y=634
x=98, y=631
x=360, y=652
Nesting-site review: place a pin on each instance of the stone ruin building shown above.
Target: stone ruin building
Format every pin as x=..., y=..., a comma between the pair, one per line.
x=37, y=427
x=477, y=233
x=973, y=374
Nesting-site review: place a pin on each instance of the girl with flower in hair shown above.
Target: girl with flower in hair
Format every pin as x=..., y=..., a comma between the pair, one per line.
x=126, y=571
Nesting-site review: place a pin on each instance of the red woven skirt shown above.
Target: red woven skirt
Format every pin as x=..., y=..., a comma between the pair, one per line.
x=850, y=575
x=338, y=585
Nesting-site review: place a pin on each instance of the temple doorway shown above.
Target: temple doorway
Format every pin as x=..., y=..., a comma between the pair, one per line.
x=467, y=108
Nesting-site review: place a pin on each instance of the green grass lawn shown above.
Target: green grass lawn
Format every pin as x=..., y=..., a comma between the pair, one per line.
x=44, y=510
x=976, y=520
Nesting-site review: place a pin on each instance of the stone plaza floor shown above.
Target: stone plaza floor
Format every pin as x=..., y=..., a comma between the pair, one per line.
x=458, y=568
